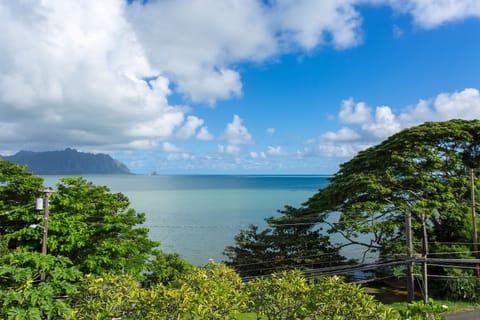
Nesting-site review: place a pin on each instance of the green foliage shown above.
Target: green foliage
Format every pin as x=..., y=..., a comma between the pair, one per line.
x=107, y=297
x=96, y=229
x=420, y=310
x=214, y=292
x=282, y=296
x=290, y=242
x=211, y=292
x=332, y=298
x=165, y=268
x=418, y=170
x=91, y=226
x=24, y=296
x=461, y=287
x=288, y=295
x=18, y=191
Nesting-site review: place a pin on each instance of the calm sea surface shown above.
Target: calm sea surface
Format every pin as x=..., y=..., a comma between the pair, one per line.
x=197, y=216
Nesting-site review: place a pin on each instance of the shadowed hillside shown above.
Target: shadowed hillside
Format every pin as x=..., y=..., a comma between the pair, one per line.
x=69, y=162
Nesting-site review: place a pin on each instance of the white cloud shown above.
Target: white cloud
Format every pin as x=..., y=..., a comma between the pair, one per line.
x=344, y=134
x=432, y=13
x=161, y=127
x=236, y=133
x=332, y=150
x=352, y=112
x=384, y=125
x=366, y=131
x=464, y=104
x=180, y=156
x=171, y=148
x=204, y=134
x=276, y=151
x=306, y=22
x=189, y=128
x=76, y=68
x=258, y=155
x=196, y=43
x=229, y=149
x=144, y=144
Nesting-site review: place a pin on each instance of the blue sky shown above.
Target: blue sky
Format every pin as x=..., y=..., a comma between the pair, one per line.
x=282, y=87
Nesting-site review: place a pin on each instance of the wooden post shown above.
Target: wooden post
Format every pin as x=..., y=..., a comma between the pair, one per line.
x=45, y=225
x=425, y=254
x=474, y=221
x=410, y=282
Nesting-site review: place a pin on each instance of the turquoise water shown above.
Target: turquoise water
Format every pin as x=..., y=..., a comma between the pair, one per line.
x=197, y=216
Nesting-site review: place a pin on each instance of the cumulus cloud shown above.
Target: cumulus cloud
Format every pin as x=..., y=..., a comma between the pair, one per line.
x=384, y=125
x=236, y=133
x=305, y=22
x=343, y=150
x=171, y=148
x=352, y=112
x=204, y=134
x=463, y=104
x=76, y=68
x=432, y=13
x=366, y=131
x=189, y=128
x=196, y=43
x=344, y=134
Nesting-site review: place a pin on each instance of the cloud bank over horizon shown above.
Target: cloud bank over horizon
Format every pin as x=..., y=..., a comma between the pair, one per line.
x=102, y=75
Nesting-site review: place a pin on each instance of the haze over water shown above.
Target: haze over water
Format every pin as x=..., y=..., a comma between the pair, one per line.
x=198, y=215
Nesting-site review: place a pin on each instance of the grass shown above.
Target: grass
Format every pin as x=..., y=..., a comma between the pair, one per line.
x=395, y=296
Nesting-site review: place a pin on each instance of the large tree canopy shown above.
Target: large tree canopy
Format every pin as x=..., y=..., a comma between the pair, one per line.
x=97, y=229
x=420, y=171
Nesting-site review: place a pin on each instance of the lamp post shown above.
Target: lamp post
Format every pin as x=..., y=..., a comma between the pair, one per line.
x=43, y=204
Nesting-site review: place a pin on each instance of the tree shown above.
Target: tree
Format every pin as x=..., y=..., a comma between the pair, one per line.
x=291, y=241
x=165, y=268
x=97, y=229
x=420, y=172
x=18, y=191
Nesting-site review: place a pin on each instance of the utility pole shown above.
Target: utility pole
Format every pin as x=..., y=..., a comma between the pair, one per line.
x=44, y=206
x=474, y=220
x=425, y=254
x=410, y=282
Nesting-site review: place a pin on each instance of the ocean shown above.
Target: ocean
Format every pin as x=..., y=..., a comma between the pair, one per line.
x=197, y=216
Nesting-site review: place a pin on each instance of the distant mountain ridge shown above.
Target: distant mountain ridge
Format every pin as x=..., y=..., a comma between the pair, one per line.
x=69, y=162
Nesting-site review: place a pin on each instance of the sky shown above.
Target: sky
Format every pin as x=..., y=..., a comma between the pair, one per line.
x=232, y=86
